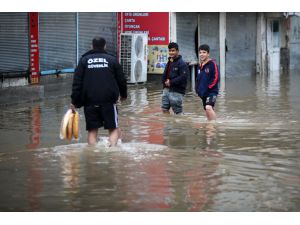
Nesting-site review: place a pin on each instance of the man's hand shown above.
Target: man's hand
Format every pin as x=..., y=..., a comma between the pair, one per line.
x=72, y=107
x=122, y=99
x=167, y=83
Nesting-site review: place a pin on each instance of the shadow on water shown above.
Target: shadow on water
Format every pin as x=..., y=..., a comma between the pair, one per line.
x=248, y=160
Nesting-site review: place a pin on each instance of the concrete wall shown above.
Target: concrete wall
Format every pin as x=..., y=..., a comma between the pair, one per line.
x=294, y=42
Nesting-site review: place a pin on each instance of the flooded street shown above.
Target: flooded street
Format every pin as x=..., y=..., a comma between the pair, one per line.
x=249, y=160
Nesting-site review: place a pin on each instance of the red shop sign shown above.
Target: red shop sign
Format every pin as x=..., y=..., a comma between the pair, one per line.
x=155, y=24
x=34, y=47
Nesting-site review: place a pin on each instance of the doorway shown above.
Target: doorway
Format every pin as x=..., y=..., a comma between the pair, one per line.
x=273, y=44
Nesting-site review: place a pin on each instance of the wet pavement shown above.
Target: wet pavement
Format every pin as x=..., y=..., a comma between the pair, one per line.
x=249, y=160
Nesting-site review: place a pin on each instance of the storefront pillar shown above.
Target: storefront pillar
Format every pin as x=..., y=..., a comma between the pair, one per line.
x=261, y=50
x=173, y=36
x=222, y=36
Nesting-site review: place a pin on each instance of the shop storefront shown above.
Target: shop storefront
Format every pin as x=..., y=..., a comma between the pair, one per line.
x=57, y=41
x=65, y=37
x=186, y=26
x=14, y=51
x=156, y=25
x=92, y=24
x=193, y=29
x=294, y=33
x=209, y=33
x=240, y=44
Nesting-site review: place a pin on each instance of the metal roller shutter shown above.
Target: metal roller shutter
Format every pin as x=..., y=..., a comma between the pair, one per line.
x=295, y=42
x=14, y=46
x=186, y=25
x=102, y=24
x=57, y=36
x=241, y=44
x=209, y=33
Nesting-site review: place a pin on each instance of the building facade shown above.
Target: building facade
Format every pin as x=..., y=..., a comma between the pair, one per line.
x=243, y=43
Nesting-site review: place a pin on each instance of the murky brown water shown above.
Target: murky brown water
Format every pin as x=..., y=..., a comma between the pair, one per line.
x=247, y=161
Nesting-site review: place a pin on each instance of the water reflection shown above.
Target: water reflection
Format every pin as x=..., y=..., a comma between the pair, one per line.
x=34, y=186
x=202, y=175
x=71, y=174
x=247, y=161
x=274, y=83
x=146, y=185
x=35, y=128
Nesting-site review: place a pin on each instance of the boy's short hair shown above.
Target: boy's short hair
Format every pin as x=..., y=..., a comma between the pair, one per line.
x=173, y=45
x=99, y=43
x=204, y=47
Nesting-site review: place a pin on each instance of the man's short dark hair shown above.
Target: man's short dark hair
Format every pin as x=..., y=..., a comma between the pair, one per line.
x=204, y=47
x=99, y=43
x=173, y=45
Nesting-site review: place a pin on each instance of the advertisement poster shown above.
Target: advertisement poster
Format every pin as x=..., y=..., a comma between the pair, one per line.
x=157, y=58
x=156, y=25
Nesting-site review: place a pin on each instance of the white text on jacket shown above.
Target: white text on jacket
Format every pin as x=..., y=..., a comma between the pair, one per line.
x=97, y=63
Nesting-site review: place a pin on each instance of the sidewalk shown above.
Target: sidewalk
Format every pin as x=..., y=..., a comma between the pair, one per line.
x=50, y=86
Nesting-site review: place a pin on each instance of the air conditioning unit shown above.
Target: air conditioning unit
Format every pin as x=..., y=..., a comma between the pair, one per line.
x=133, y=56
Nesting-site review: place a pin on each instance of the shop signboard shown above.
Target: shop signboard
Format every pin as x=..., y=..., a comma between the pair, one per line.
x=34, y=47
x=156, y=25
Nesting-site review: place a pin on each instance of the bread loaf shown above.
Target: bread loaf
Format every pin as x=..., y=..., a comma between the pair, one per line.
x=70, y=126
x=64, y=124
x=76, y=125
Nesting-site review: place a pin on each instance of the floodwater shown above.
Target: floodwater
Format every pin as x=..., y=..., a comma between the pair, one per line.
x=249, y=160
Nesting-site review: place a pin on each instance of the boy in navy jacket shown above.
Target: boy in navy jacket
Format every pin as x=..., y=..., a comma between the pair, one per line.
x=174, y=81
x=207, y=82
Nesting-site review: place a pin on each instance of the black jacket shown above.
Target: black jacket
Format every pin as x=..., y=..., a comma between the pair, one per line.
x=98, y=79
x=178, y=73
